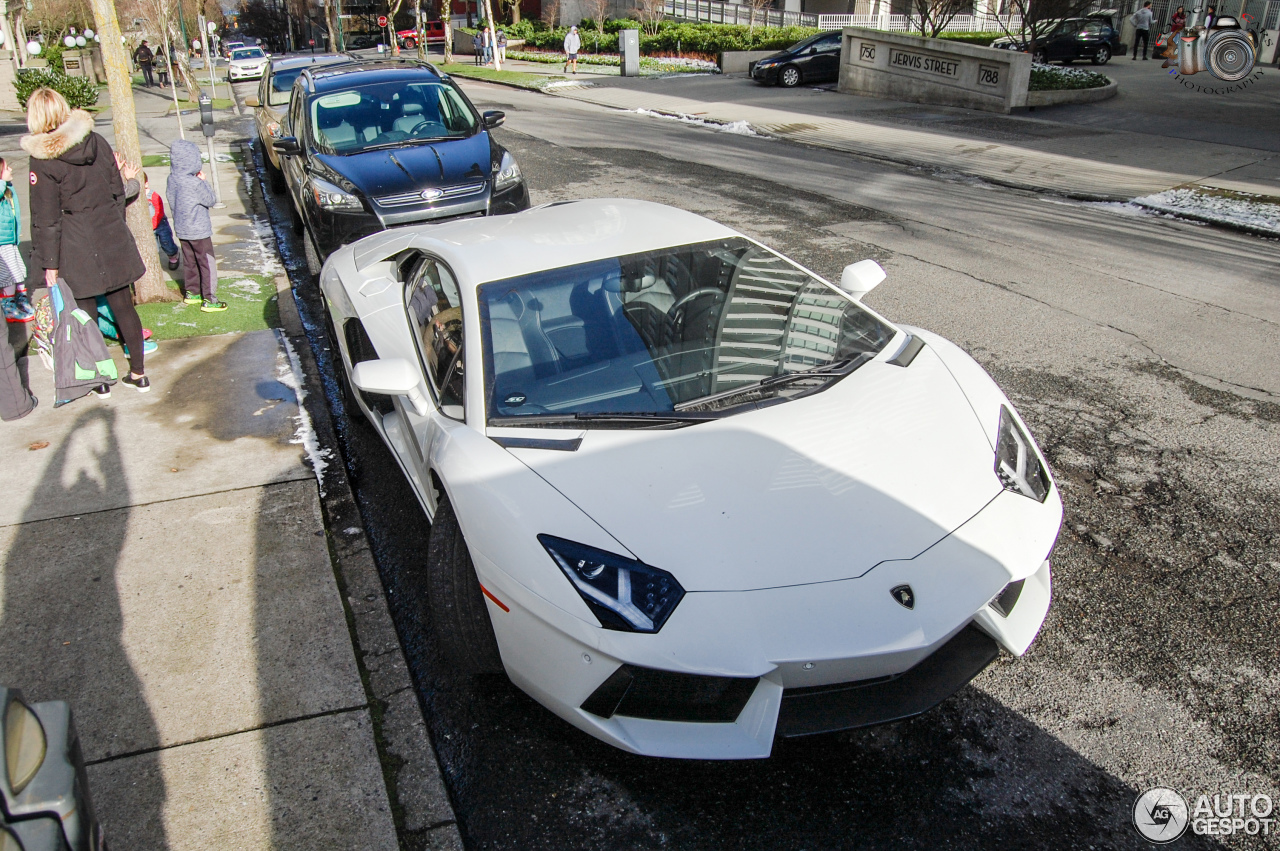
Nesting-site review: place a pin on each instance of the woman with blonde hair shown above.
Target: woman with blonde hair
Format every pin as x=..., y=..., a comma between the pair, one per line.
x=79, y=188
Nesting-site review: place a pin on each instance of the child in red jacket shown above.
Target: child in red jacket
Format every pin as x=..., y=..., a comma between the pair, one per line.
x=160, y=224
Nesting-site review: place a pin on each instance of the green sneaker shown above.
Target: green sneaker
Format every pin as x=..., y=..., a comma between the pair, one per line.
x=192, y=299
x=213, y=307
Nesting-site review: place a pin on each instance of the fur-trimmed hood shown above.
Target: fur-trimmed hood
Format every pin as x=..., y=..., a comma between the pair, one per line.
x=51, y=145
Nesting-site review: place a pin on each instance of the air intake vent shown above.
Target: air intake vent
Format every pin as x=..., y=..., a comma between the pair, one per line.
x=670, y=696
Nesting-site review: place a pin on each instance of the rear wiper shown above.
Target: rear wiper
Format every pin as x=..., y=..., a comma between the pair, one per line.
x=835, y=368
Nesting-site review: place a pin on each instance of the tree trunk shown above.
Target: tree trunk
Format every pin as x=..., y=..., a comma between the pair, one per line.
x=333, y=12
x=151, y=286
x=448, y=39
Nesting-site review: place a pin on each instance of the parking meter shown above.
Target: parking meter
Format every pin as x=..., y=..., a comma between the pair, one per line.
x=206, y=114
x=44, y=789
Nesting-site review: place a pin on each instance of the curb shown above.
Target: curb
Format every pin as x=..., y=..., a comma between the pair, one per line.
x=416, y=793
x=1061, y=97
x=1238, y=227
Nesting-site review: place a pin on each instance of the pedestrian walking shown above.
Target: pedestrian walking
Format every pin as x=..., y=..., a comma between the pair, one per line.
x=486, y=44
x=476, y=49
x=160, y=224
x=160, y=62
x=14, y=301
x=1178, y=22
x=79, y=189
x=502, y=46
x=190, y=199
x=1142, y=29
x=572, y=44
x=1210, y=15
x=143, y=56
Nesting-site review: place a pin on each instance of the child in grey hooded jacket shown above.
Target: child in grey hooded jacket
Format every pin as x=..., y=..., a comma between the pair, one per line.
x=190, y=199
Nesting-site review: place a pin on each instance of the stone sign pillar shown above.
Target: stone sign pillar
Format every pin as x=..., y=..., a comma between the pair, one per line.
x=73, y=63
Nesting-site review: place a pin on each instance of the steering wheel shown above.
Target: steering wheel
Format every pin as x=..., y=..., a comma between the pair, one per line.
x=426, y=122
x=684, y=300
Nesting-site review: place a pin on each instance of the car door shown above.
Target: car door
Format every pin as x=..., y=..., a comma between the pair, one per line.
x=825, y=64
x=434, y=311
x=1088, y=39
x=294, y=166
x=1061, y=43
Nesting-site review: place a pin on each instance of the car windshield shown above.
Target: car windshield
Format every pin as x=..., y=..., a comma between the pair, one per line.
x=248, y=53
x=386, y=114
x=687, y=331
x=282, y=86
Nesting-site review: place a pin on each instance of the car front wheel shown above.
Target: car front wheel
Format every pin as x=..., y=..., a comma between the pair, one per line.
x=459, y=614
x=789, y=76
x=1102, y=56
x=314, y=263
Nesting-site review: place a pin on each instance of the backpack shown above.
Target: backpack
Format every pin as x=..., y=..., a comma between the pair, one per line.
x=80, y=358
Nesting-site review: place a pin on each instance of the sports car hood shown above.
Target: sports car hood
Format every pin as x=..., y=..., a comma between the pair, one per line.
x=449, y=162
x=879, y=466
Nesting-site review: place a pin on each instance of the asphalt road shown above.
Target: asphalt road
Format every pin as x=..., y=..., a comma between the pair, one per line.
x=1143, y=354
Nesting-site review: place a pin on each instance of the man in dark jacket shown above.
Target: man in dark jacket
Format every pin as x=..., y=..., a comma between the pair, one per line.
x=143, y=57
x=78, y=229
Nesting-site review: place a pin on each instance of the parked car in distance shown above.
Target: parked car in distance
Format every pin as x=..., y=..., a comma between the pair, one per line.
x=814, y=60
x=1092, y=37
x=229, y=46
x=380, y=143
x=247, y=63
x=688, y=495
x=361, y=41
x=432, y=31
x=271, y=105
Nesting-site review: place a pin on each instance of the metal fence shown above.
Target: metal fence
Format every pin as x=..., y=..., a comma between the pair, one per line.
x=910, y=23
x=712, y=12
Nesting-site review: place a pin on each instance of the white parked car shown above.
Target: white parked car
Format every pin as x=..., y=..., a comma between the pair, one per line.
x=686, y=493
x=247, y=63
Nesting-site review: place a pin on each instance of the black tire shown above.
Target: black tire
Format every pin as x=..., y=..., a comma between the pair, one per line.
x=789, y=77
x=1103, y=56
x=275, y=177
x=314, y=263
x=459, y=614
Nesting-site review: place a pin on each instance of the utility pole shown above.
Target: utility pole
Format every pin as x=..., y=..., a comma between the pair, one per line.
x=151, y=286
x=421, y=42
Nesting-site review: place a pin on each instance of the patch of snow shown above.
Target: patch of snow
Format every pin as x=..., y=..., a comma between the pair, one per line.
x=247, y=286
x=738, y=128
x=1260, y=216
x=290, y=375
x=188, y=324
x=568, y=84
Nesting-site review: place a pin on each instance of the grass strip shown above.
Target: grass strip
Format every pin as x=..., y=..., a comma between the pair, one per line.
x=251, y=306
x=523, y=79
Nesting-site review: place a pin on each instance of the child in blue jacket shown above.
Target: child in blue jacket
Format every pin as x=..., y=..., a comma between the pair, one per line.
x=14, y=301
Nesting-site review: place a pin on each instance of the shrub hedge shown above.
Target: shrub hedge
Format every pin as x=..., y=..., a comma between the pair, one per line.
x=79, y=91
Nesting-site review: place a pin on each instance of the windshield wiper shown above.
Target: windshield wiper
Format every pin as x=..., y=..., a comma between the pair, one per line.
x=834, y=369
x=639, y=417
x=403, y=143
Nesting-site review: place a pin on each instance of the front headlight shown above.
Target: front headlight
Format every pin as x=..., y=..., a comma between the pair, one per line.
x=507, y=174
x=623, y=593
x=330, y=197
x=1017, y=465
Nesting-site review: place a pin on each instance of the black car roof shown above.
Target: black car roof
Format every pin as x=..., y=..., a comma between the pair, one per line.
x=369, y=71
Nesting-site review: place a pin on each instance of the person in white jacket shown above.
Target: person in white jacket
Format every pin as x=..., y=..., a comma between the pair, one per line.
x=572, y=43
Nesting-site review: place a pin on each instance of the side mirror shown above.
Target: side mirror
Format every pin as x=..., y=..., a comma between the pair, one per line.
x=391, y=377
x=252, y=102
x=287, y=145
x=860, y=278
x=494, y=118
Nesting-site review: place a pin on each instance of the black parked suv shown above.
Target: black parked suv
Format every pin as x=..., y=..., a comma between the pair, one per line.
x=814, y=60
x=387, y=142
x=1093, y=38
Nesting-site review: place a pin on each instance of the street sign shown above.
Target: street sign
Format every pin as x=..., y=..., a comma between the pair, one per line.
x=382, y=20
x=311, y=43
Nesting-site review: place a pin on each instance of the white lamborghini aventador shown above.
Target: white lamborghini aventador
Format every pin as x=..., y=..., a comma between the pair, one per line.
x=687, y=494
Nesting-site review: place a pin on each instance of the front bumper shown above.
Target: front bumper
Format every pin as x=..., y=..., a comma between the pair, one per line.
x=767, y=75
x=815, y=658
x=245, y=73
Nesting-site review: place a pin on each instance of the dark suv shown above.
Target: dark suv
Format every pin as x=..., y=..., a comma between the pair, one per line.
x=1093, y=38
x=388, y=142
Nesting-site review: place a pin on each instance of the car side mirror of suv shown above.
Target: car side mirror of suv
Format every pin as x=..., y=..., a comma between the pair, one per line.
x=391, y=377
x=287, y=145
x=494, y=118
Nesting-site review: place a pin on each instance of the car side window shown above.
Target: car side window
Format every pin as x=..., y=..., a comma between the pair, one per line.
x=435, y=314
x=295, y=118
x=1093, y=29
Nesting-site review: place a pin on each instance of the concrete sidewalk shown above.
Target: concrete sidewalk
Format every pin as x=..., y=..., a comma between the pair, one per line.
x=167, y=570
x=1022, y=152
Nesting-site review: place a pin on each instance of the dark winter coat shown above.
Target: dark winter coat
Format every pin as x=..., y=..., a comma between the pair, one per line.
x=189, y=197
x=143, y=56
x=80, y=358
x=77, y=203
